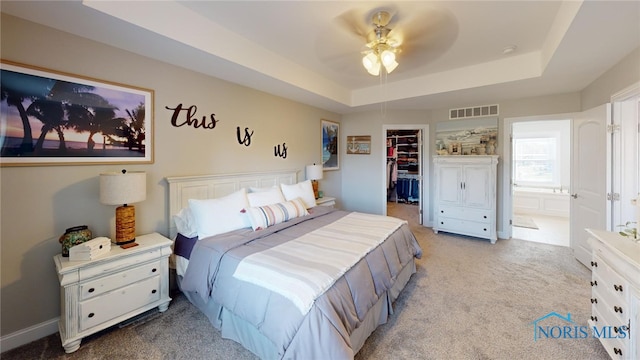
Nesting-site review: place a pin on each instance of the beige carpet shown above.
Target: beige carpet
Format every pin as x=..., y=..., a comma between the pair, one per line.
x=524, y=221
x=468, y=300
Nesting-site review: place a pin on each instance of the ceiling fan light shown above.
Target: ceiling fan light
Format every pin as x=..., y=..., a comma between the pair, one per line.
x=369, y=60
x=375, y=69
x=388, y=58
x=371, y=63
x=391, y=67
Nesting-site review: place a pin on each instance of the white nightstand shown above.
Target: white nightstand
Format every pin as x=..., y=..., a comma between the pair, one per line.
x=99, y=293
x=326, y=201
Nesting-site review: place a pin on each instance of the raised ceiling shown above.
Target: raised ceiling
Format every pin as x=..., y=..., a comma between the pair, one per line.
x=308, y=51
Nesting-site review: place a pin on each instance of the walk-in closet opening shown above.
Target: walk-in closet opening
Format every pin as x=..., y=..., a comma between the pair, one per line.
x=404, y=173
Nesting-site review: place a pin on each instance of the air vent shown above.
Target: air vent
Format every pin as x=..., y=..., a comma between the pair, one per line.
x=474, y=111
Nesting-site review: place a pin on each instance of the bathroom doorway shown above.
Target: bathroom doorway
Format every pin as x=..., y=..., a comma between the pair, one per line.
x=541, y=178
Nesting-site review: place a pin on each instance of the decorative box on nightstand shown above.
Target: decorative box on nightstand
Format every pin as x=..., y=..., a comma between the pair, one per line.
x=326, y=201
x=102, y=292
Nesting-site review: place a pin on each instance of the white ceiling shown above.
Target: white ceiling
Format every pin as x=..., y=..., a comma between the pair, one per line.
x=303, y=50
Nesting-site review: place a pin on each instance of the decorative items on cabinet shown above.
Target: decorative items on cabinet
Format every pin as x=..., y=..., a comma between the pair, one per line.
x=615, y=293
x=465, y=195
x=74, y=236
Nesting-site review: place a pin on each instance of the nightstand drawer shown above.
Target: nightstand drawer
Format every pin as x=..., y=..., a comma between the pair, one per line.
x=119, y=302
x=105, y=284
x=91, y=272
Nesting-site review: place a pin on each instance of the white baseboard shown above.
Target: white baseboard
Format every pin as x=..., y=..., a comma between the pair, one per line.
x=25, y=336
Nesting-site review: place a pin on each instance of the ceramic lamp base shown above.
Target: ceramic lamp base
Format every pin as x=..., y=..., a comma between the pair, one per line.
x=125, y=224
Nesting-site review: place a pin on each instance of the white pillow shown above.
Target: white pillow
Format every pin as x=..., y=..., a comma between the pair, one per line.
x=185, y=224
x=265, y=196
x=262, y=217
x=302, y=190
x=217, y=216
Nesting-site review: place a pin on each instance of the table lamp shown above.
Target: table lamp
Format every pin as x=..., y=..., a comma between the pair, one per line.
x=124, y=188
x=314, y=173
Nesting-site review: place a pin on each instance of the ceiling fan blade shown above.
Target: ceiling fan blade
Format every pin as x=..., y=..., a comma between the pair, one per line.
x=355, y=22
x=427, y=34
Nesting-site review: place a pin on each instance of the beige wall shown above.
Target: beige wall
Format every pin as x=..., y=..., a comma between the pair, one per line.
x=38, y=203
x=624, y=74
x=368, y=195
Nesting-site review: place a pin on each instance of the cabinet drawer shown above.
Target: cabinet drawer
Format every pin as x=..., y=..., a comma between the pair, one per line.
x=612, y=312
x=464, y=227
x=118, y=302
x=105, y=284
x=609, y=281
x=104, y=268
x=470, y=214
x=616, y=348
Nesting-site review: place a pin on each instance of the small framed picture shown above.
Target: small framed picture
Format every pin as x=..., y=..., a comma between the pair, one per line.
x=359, y=145
x=330, y=140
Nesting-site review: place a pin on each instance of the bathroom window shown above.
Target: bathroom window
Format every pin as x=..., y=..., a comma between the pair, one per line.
x=535, y=162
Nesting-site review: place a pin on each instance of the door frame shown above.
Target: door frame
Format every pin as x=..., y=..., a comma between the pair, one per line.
x=424, y=166
x=507, y=180
x=624, y=142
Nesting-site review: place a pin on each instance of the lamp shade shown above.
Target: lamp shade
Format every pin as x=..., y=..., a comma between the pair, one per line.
x=123, y=188
x=314, y=172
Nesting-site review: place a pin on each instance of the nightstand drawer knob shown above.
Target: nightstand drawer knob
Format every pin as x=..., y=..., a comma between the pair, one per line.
x=91, y=315
x=617, y=309
x=154, y=270
x=92, y=290
x=154, y=291
x=617, y=287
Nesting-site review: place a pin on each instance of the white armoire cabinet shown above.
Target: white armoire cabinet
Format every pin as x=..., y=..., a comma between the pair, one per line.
x=465, y=195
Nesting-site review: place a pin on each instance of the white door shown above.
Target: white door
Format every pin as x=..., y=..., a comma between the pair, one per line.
x=588, y=178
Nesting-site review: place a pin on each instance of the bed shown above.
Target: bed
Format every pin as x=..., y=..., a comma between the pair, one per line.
x=294, y=280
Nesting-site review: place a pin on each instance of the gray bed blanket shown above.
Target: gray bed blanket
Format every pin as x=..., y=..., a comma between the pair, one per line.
x=324, y=332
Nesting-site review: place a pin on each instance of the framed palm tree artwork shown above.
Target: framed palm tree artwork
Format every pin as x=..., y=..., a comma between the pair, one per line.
x=54, y=118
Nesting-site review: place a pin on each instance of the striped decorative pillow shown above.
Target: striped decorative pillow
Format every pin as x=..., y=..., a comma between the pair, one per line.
x=262, y=217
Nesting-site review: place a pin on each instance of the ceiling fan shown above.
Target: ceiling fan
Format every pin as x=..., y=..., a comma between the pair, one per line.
x=413, y=33
x=382, y=48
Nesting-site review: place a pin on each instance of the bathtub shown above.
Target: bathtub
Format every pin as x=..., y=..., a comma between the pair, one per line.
x=540, y=201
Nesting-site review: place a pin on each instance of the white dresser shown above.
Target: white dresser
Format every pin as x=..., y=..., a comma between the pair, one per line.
x=99, y=293
x=615, y=293
x=465, y=195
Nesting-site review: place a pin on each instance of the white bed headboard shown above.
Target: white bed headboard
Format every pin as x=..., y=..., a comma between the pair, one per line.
x=183, y=188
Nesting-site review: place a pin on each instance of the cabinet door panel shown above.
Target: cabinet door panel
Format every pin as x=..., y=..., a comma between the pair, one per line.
x=450, y=183
x=477, y=189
